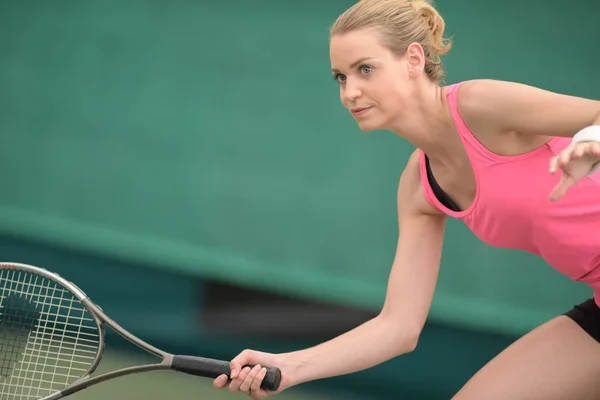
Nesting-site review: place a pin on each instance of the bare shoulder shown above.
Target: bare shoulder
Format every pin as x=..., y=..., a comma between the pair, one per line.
x=472, y=92
x=477, y=94
x=488, y=108
x=476, y=99
x=411, y=197
x=503, y=106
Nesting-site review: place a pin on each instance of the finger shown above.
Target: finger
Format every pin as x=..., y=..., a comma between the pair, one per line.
x=235, y=368
x=236, y=383
x=247, y=384
x=580, y=150
x=234, y=371
x=561, y=188
x=236, y=364
x=554, y=164
x=556, y=193
x=258, y=380
x=220, y=382
x=595, y=149
x=565, y=156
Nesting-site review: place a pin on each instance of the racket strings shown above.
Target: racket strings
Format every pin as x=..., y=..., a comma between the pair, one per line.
x=48, y=339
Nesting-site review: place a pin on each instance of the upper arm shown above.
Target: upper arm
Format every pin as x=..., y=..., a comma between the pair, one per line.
x=414, y=273
x=514, y=107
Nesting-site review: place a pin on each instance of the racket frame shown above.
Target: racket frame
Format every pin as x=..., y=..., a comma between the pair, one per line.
x=88, y=380
x=101, y=320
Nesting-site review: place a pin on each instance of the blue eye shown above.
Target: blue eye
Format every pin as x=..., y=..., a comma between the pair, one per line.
x=340, y=78
x=365, y=69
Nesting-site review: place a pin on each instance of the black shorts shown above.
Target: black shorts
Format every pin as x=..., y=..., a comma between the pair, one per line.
x=587, y=316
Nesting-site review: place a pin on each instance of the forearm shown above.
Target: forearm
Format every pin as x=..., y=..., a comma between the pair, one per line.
x=369, y=344
x=597, y=120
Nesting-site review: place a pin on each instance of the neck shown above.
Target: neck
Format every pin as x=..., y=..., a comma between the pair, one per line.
x=427, y=123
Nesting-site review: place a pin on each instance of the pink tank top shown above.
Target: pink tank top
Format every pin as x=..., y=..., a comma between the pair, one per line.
x=511, y=207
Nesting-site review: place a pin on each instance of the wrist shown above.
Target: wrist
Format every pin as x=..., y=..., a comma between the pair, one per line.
x=292, y=366
x=595, y=168
x=590, y=134
x=597, y=120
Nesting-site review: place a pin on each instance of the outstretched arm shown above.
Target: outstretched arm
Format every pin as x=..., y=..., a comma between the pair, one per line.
x=528, y=110
x=394, y=331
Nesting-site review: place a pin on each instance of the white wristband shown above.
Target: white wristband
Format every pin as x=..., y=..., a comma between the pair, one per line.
x=589, y=134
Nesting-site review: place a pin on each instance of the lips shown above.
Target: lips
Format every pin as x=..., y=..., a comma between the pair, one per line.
x=359, y=110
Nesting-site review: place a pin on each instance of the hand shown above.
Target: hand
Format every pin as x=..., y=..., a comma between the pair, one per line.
x=248, y=380
x=576, y=161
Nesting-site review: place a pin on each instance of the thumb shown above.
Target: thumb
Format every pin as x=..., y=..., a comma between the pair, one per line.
x=561, y=188
x=238, y=362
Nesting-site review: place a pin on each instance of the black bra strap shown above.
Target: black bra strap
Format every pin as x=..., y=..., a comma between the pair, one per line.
x=437, y=190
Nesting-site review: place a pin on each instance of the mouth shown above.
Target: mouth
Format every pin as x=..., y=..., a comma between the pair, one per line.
x=359, y=110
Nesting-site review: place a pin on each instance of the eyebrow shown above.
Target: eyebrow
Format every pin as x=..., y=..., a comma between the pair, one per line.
x=355, y=63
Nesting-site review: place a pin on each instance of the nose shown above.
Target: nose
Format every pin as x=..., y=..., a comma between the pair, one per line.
x=351, y=92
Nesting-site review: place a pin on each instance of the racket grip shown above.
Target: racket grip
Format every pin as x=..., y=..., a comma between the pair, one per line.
x=210, y=368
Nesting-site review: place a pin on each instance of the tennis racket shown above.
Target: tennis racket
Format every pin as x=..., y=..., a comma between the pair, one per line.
x=52, y=339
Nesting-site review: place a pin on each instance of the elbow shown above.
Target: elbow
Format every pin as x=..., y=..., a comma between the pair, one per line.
x=405, y=335
x=411, y=339
x=406, y=341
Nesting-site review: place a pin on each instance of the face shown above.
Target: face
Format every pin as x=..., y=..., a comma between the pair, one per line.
x=375, y=85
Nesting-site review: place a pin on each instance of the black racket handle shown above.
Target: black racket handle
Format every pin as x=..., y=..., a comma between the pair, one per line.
x=209, y=368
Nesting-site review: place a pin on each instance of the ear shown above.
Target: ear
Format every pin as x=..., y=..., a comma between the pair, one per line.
x=415, y=57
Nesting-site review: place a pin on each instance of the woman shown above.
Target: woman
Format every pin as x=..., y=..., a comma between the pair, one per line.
x=515, y=163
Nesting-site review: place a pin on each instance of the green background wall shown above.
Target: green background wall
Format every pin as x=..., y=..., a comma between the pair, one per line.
x=206, y=139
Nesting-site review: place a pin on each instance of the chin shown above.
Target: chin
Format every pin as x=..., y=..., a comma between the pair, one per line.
x=366, y=129
x=369, y=126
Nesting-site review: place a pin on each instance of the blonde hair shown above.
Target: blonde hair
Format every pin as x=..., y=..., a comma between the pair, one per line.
x=400, y=23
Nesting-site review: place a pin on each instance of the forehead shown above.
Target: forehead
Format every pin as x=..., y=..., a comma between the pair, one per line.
x=346, y=48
